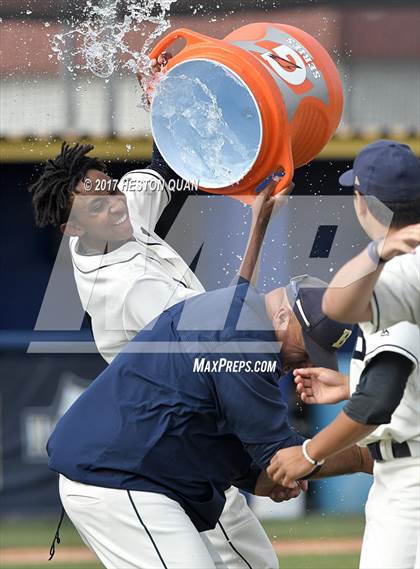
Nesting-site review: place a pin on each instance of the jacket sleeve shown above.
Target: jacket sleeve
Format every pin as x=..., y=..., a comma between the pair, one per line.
x=248, y=482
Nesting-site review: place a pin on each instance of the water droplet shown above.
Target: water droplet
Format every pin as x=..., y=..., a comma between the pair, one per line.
x=101, y=38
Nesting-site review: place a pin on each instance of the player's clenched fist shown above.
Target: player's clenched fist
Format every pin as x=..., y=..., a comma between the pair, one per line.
x=318, y=385
x=288, y=465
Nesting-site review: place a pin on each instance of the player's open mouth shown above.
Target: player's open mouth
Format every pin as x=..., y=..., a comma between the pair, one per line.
x=121, y=220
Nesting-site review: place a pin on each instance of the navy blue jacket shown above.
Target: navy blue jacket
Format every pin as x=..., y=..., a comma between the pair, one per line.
x=150, y=422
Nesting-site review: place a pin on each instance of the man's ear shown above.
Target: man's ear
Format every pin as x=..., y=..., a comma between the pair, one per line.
x=360, y=204
x=281, y=318
x=72, y=229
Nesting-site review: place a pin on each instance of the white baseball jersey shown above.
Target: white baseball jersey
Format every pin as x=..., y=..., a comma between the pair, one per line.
x=404, y=339
x=125, y=289
x=397, y=293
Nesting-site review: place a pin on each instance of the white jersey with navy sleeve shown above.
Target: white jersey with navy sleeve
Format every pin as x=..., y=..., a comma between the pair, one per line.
x=404, y=339
x=391, y=537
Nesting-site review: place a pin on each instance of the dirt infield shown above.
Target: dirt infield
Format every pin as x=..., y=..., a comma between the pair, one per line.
x=69, y=555
x=318, y=546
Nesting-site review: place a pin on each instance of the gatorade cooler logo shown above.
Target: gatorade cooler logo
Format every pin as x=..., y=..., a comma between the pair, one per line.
x=291, y=63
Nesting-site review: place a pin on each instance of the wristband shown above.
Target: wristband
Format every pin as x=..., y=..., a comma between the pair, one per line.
x=311, y=474
x=308, y=458
x=372, y=251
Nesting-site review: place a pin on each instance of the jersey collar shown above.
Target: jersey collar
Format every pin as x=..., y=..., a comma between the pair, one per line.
x=90, y=263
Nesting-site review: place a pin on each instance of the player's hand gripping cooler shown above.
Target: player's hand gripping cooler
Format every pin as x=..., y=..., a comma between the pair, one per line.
x=228, y=112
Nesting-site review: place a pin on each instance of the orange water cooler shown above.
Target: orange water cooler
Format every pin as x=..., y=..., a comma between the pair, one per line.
x=229, y=112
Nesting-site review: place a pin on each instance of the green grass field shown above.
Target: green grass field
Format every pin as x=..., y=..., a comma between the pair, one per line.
x=315, y=526
x=22, y=534
x=287, y=562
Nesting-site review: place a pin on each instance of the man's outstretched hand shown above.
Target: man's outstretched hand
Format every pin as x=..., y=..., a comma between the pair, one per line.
x=318, y=385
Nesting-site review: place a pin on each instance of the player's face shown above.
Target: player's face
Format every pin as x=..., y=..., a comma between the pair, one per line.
x=369, y=223
x=99, y=210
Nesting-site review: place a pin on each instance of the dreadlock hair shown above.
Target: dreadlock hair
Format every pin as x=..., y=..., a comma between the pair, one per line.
x=52, y=193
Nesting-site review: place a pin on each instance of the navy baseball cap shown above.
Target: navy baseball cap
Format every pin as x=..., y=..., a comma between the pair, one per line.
x=322, y=336
x=386, y=169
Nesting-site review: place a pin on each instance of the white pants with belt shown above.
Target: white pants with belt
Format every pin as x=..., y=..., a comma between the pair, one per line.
x=145, y=530
x=392, y=534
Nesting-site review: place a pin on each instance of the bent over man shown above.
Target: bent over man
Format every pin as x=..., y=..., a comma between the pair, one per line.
x=147, y=452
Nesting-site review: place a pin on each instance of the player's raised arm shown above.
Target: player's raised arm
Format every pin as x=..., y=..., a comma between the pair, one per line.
x=265, y=205
x=349, y=295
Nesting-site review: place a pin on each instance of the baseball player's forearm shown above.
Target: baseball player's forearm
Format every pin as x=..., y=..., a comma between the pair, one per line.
x=348, y=297
x=349, y=461
x=291, y=464
x=342, y=433
x=262, y=209
x=249, y=266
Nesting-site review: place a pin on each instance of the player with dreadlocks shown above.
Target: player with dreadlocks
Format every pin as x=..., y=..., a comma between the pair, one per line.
x=54, y=192
x=117, y=257
x=66, y=196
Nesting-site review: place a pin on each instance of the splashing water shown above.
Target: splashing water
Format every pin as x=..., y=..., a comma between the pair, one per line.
x=99, y=43
x=203, y=116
